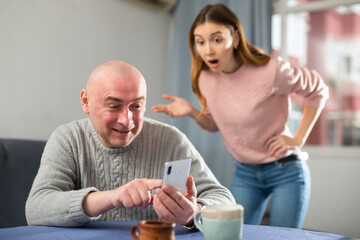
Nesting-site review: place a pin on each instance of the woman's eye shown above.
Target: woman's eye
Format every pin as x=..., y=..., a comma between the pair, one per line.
x=199, y=42
x=217, y=40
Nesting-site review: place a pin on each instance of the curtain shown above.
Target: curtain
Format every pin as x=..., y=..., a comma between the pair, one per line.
x=255, y=17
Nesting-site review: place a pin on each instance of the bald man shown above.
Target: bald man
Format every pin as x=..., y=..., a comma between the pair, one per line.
x=108, y=167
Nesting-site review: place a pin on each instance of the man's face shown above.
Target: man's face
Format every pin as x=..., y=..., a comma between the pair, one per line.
x=116, y=107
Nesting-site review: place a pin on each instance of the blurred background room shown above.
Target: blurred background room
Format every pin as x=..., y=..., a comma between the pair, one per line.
x=48, y=48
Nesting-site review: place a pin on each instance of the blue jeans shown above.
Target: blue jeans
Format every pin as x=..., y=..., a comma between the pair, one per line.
x=287, y=184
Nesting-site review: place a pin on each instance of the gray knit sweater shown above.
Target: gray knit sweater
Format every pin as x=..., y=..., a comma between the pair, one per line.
x=75, y=162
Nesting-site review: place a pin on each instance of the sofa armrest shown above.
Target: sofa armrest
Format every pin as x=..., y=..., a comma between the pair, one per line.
x=19, y=163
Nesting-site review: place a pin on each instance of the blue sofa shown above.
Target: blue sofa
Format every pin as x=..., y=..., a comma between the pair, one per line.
x=19, y=163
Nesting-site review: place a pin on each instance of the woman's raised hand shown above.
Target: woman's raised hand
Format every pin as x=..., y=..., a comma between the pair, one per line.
x=178, y=108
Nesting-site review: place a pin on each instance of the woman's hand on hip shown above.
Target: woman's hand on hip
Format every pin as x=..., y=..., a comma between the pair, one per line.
x=278, y=145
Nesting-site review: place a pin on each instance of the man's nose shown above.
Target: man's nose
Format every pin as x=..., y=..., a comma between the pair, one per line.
x=125, y=117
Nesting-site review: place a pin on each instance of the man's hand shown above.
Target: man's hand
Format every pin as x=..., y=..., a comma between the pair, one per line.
x=172, y=206
x=133, y=194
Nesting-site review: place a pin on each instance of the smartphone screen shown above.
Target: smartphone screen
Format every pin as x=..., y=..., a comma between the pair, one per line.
x=176, y=174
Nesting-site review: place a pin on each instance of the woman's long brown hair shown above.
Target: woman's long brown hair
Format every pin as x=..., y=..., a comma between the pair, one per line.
x=245, y=52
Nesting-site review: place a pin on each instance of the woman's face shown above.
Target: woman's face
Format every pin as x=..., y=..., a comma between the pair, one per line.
x=215, y=44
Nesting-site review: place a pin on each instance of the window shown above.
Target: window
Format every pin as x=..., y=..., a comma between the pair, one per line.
x=325, y=36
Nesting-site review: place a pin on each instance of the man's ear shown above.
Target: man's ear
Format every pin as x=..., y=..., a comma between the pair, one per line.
x=84, y=101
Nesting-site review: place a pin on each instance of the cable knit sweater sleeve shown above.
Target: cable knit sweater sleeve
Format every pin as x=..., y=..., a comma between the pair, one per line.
x=56, y=198
x=75, y=163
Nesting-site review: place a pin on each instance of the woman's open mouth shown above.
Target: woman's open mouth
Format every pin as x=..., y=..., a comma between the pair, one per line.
x=213, y=61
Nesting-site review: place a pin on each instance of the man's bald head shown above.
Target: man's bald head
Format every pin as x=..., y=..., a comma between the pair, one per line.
x=118, y=69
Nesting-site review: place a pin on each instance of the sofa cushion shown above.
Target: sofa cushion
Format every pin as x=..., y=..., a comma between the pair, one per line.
x=19, y=163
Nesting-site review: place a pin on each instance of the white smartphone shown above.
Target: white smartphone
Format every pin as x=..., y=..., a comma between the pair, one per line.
x=176, y=174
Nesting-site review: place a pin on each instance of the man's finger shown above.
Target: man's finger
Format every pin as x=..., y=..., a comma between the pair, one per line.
x=190, y=189
x=153, y=183
x=161, y=209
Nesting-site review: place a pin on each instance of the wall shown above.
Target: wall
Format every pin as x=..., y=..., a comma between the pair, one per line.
x=48, y=48
x=335, y=194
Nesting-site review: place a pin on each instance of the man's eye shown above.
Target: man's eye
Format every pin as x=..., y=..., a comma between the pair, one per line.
x=113, y=107
x=136, y=107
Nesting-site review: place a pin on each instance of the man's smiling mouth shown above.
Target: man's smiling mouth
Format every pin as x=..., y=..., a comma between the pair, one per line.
x=122, y=131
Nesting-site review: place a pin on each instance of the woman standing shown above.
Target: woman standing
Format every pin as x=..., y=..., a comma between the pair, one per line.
x=244, y=94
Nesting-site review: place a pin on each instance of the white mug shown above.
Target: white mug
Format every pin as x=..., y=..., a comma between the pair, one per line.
x=221, y=222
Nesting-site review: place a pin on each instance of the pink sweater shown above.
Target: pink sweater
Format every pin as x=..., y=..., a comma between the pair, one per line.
x=252, y=104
